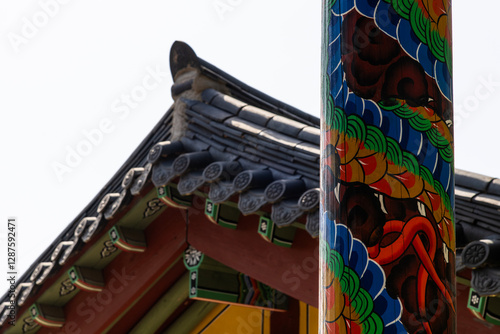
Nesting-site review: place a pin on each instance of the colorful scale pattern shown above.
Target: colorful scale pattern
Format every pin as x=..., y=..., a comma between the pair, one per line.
x=366, y=155
x=399, y=145
x=425, y=120
x=357, y=300
x=420, y=26
x=429, y=22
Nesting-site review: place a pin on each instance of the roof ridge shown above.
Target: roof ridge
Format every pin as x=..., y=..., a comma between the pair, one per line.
x=182, y=57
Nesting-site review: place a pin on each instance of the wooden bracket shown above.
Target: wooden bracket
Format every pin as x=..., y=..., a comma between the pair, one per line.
x=47, y=315
x=486, y=308
x=221, y=214
x=281, y=236
x=86, y=279
x=127, y=239
x=170, y=196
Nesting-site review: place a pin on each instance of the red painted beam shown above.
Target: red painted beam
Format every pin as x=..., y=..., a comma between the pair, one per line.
x=128, y=321
x=293, y=271
x=128, y=277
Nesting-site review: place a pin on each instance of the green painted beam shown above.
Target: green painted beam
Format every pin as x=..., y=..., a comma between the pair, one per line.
x=190, y=318
x=464, y=281
x=163, y=308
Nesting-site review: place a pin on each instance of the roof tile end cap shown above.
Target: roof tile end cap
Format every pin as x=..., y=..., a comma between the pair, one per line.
x=182, y=56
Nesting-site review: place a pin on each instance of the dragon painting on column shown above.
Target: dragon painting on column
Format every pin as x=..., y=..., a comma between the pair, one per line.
x=387, y=232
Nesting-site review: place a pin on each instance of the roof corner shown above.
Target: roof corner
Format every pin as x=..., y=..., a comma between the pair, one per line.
x=182, y=56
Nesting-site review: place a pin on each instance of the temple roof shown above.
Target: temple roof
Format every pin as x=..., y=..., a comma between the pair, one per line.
x=224, y=140
x=220, y=139
x=477, y=199
x=477, y=205
x=232, y=144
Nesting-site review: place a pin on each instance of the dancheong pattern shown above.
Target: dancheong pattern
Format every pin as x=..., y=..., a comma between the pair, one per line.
x=387, y=232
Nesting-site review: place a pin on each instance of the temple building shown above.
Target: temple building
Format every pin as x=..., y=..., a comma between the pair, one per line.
x=211, y=226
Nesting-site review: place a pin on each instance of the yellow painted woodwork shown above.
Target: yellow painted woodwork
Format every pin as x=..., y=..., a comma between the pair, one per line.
x=308, y=319
x=227, y=319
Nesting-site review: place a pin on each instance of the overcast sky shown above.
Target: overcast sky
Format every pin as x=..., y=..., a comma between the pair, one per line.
x=67, y=68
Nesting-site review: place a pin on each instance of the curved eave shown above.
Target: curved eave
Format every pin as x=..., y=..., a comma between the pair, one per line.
x=133, y=179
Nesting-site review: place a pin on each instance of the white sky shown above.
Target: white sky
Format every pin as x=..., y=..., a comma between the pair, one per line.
x=62, y=79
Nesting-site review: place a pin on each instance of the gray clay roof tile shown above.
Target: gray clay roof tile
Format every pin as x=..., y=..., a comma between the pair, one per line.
x=308, y=148
x=287, y=155
x=200, y=127
x=225, y=141
x=194, y=145
x=211, y=112
x=487, y=226
x=266, y=153
x=243, y=125
x=311, y=182
x=310, y=176
x=285, y=125
x=308, y=170
x=465, y=219
x=258, y=140
x=250, y=157
x=494, y=187
x=472, y=180
x=209, y=94
x=299, y=153
x=307, y=162
x=178, y=88
x=464, y=193
x=279, y=138
x=310, y=134
x=256, y=115
x=486, y=199
x=466, y=209
x=279, y=166
x=483, y=213
x=247, y=164
x=219, y=154
x=227, y=131
x=468, y=214
x=209, y=142
x=194, y=117
x=227, y=103
x=310, y=159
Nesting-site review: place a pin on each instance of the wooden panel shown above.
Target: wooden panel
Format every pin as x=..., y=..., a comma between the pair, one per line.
x=308, y=319
x=188, y=320
x=287, y=322
x=215, y=282
x=234, y=319
x=135, y=314
x=293, y=271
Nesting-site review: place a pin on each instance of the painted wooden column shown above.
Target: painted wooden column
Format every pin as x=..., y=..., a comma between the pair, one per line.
x=387, y=231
